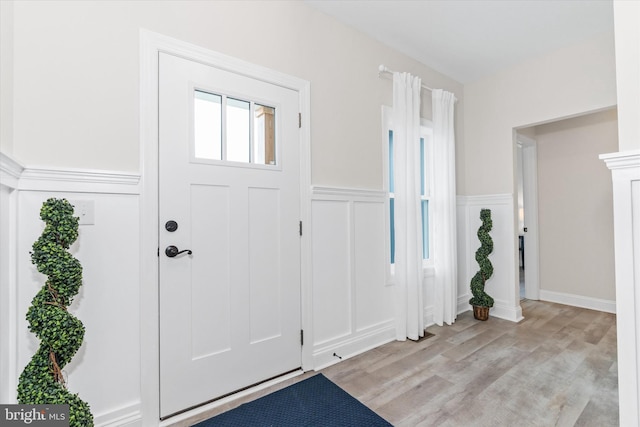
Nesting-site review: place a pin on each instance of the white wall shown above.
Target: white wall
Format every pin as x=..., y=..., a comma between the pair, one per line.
x=627, y=34
x=575, y=207
x=6, y=77
x=565, y=83
x=76, y=78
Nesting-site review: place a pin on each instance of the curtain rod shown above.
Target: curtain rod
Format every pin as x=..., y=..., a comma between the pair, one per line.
x=383, y=71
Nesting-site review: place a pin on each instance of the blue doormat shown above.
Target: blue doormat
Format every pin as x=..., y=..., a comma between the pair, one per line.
x=315, y=402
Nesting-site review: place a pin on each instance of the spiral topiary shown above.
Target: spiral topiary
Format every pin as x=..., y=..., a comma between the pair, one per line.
x=60, y=333
x=480, y=297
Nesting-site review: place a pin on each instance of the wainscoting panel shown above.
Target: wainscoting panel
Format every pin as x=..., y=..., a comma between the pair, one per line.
x=372, y=294
x=331, y=253
x=9, y=179
x=352, y=303
x=106, y=370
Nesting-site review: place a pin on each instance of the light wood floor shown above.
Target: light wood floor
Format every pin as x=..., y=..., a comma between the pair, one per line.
x=558, y=367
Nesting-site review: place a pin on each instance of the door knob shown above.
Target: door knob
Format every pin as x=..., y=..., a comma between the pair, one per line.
x=172, y=251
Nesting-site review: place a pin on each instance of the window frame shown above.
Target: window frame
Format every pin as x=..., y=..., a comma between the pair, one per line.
x=253, y=103
x=426, y=132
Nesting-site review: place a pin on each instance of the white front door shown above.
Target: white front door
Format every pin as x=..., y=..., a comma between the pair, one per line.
x=229, y=193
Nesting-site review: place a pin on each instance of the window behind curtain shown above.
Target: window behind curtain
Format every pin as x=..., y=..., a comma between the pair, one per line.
x=426, y=159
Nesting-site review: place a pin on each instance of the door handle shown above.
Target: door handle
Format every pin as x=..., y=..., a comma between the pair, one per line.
x=172, y=251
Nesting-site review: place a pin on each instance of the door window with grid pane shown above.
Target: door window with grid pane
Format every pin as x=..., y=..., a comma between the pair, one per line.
x=233, y=130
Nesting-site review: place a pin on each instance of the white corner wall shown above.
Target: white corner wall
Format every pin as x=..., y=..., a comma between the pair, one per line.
x=625, y=171
x=501, y=285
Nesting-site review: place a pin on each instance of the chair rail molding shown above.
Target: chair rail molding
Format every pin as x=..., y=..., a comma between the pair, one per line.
x=10, y=171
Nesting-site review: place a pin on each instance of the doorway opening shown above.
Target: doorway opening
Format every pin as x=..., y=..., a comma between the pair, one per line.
x=527, y=228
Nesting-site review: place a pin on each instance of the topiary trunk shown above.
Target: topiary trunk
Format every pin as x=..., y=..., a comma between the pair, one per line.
x=60, y=333
x=480, y=297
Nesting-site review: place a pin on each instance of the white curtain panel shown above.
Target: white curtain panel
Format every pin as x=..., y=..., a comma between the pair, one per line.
x=444, y=203
x=408, y=237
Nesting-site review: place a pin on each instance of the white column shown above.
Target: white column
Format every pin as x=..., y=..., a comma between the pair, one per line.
x=625, y=171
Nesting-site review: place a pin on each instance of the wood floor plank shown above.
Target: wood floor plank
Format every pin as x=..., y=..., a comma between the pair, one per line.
x=406, y=403
x=557, y=367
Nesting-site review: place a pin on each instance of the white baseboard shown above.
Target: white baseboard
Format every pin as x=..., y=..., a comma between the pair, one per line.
x=578, y=301
x=428, y=316
x=129, y=416
x=505, y=311
x=323, y=356
x=500, y=309
x=226, y=400
x=463, y=302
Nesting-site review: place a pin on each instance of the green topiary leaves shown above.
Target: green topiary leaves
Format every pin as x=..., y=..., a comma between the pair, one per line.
x=480, y=297
x=60, y=333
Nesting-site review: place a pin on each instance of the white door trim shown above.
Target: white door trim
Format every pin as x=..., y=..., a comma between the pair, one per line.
x=150, y=45
x=530, y=185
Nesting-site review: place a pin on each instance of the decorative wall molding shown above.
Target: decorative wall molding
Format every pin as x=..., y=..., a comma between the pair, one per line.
x=504, y=310
x=578, y=301
x=77, y=180
x=347, y=347
x=342, y=193
x=10, y=171
x=627, y=159
x=487, y=199
x=348, y=237
x=33, y=178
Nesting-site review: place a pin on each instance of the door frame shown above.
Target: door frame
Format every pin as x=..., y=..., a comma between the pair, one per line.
x=151, y=44
x=530, y=188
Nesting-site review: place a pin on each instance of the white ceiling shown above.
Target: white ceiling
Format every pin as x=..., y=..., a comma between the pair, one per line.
x=470, y=39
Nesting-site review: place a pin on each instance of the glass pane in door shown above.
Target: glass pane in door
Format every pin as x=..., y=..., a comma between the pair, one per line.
x=207, y=130
x=238, y=130
x=264, y=146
